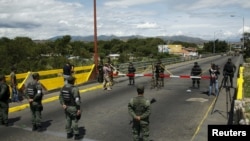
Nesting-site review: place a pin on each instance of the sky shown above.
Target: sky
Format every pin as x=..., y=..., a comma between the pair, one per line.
x=205, y=19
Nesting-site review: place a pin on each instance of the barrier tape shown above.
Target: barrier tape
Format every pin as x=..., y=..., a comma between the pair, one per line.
x=166, y=76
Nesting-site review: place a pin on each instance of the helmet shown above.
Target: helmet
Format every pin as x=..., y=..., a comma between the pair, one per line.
x=196, y=63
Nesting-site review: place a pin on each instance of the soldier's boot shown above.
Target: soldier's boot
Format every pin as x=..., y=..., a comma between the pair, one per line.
x=39, y=128
x=69, y=135
x=34, y=128
x=77, y=137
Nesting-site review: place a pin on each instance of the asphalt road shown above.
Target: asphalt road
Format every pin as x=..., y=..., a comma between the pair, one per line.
x=175, y=116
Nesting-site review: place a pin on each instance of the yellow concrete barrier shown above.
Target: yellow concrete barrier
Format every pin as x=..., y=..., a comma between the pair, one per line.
x=240, y=82
x=53, y=79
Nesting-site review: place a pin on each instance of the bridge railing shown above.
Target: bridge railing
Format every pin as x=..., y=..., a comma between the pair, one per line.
x=53, y=79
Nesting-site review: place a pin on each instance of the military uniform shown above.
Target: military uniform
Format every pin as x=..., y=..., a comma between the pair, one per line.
x=196, y=71
x=100, y=73
x=131, y=72
x=4, y=101
x=34, y=93
x=159, y=72
x=70, y=100
x=139, y=109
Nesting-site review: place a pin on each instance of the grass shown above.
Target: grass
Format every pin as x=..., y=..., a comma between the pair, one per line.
x=247, y=80
x=246, y=88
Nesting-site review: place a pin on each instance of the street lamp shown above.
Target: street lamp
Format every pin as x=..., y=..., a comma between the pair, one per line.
x=242, y=29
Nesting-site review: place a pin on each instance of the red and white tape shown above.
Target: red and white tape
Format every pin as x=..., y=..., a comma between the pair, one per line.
x=166, y=76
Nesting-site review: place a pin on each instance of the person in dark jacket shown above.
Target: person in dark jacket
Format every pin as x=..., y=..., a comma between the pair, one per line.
x=131, y=73
x=228, y=71
x=4, y=101
x=100, y=72
x=67, y=71
x=196, y=71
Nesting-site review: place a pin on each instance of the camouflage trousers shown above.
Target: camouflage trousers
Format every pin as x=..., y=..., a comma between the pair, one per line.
x=140, y=131
x=36, y=113
x=71, y=120
x=4, y=111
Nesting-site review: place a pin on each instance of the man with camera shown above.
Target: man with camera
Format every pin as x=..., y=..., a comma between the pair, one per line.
x=214, y=72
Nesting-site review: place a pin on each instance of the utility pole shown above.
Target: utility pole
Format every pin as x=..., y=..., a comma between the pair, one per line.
x=95, y=40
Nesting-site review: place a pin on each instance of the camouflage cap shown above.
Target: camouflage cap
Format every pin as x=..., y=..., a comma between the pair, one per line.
x=35, y=75
x=140, y=87
x=71, y=79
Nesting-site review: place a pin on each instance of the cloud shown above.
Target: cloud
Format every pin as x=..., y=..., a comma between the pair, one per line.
x=47, y=18
x=146, y=25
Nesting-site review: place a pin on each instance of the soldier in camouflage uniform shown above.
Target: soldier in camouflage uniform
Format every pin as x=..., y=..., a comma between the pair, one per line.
x=70, y=100
x=131, y=72
x=139, y=109
x=4, y=101
x=34, y=94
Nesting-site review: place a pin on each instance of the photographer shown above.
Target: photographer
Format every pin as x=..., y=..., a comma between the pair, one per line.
x=229, y=70
x=214, y=72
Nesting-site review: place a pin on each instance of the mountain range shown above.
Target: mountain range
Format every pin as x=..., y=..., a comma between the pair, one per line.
x=167, y=39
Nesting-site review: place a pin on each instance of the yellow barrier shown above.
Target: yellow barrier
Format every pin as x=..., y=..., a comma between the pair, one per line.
x=21, y=78
x=240, y=82
x=53, y=79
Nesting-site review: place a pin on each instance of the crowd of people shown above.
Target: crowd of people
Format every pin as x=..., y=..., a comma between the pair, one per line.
x=70, y=99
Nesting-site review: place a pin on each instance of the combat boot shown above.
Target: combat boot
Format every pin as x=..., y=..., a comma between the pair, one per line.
x=39, y=128
x=34, y=128
x=69, y=135
x=77, y=137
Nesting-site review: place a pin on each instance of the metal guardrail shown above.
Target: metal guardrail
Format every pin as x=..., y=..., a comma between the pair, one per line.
x=53, y=79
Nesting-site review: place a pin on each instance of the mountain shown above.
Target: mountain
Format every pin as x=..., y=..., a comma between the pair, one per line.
x=181, y=38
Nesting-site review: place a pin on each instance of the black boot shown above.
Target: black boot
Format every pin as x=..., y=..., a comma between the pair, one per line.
x=34, y=128
x=39, y=128
x=69, y=135
x=77, y=137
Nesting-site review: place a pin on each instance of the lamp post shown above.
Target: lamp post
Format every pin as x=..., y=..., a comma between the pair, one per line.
x=214, y=44
x=243, y=39
x=95, y=40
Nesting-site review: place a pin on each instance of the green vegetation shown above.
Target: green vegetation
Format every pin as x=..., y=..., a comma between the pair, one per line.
x=28, y=55
x=247, y=80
